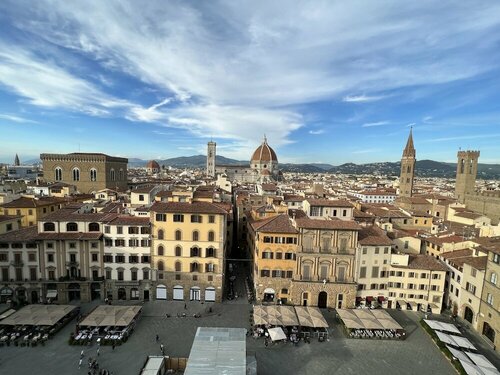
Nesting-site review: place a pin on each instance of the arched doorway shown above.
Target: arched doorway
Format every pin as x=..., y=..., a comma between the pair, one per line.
x=489, y=332
x=21, y=294
x=161, y=291
x=73, y=292
x=6, y=294
x=194, y=293
x=122, y=294
x=95, y=291
x=305, y=297
x=178, y=293
x=322, y=299
x=269, y=294
x=34, y=296
x=468, y=314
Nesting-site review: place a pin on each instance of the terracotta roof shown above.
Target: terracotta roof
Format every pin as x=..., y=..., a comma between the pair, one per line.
x=456, y=254
x=293, y=198
x=130, y=220
x=424, y=262
x=152, y=164
x=330, y=203
x=264, y=153
x=335, y=224
x=275, y=224
x=72, y=215
x=442, y=240
x=143, y=190
x=9, y=217
x=28, y=234
x=183, y=207
x=164, y=193
x=469, y=215
x=360, y=214
x=489, y=243
x=69, y=236
x=478, y=263
x=373, y=236
x=24, y=202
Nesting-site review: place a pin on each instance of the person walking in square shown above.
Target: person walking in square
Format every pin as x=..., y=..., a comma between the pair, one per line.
x=81, y=354
x=80, y=364
x=98, y=351
x=162, y=349
x=157, y=338
x=185, y=306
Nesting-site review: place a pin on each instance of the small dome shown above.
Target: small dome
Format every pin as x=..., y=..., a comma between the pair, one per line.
x=265, y=172
x=152, y=164
x=264, y=153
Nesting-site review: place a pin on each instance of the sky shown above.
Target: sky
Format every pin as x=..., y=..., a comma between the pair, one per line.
x=325, y=81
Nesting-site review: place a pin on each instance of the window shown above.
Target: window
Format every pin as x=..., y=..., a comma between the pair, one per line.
x=178, y=218
x=120, y=259
x=323, y=272
x=210, y=267
x=196, y=235
x=195, y=252
x=195, y=267
x=112, y=175
x=306, y=272
x=119, y=243
x=33, y=275
x=94, y=227
x=178, y=251
x=133, y=275
x=95, y=257
x=362, y=272
x=210, y=252
x=144, y=230
x=145, y=259
x=160, y=234
x=50, y=258
x=343, y=244
x=178, y=235
x=52, y=275
x=71, y=227
x=160, y=250
x=133, y=259
x=470, y=288
x=76, y=174
x=473, y=272
x=364, y=250
x=196, y=219
x=267, y=255
x=493, y=278
x=344, y=212
x=141, y=197
x=268, y=239
x=49, y=227
x=374, y=271
x=120, y=275
x=72, y=245
x=377, y=250
x=108, y=258
x=496, y=258
x=3, y=257
x=289, y=256
x=145, y=274
x=386, y=250
x=178, y=266
x=161, y=217
x=211, y=236
x=211, y=219
x=489, y=299
x=121, y=174
x=265, y=273
x=107, y=229
x=108, y=242
x=133, y=230
x=161, y=266
x=93, y=174
x=58, y=174
x=119, y=230
x=279, y=255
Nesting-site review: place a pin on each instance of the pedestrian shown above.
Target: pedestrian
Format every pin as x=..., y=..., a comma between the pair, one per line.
x=162, y=349
x=185, y=306
x=80, y=364
x=266, y=343
x=98, y=352
x=113, y=346
x=81, y=354
x=157, y=338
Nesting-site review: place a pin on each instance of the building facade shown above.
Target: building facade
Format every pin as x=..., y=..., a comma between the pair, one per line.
x=87, y=171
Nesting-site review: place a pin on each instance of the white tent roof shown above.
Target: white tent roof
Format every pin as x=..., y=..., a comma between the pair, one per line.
x=459, y=341
x=441, y=326
x=276, y=333
x=115, y=316
x=38, y=315
x=368, y=319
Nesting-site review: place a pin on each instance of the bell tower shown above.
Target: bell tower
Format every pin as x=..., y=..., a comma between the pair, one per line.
x=211, y=159
x=407, y=168
x=466, y=174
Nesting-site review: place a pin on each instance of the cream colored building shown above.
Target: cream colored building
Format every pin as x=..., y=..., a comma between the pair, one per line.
x=31, y=209
x=188, y=250
x=9, y=223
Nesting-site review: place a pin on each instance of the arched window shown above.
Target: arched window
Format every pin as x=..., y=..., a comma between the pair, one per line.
x=209, y=267
x=160, y=250
x=58, y=174
x=72, y=227
x=408, y=169
x=161, y=266
x=76, y=174
x=178, y=235
x=178, y=251
x=178, y=266
x=94, y=227
x=93, y=174
x=49, y=227
x=195, y=267
x=112, y=174
x=121, y=175
x=462, y=165
x=196, y=235
x=211, y=236
x=160, y=234
x=210, y=252
x=195, y=251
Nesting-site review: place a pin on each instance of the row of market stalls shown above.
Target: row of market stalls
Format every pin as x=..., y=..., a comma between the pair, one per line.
x=462, y=349
x=300, y=321
x=34, y=323
x=109, y=323
x=376, y=324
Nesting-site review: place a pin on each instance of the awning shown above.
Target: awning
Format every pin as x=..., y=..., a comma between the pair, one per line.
x=51, y=293
x=269, y=291
x=369, y=299
x=276, y=334
x=380, y=299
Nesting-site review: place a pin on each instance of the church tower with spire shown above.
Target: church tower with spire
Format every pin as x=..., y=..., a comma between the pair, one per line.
x=16, y=161
x=407, y=168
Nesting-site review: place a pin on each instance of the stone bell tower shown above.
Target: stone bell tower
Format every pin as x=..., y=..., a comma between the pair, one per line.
x=466, y=174
x=407, y=168
x=211, y=159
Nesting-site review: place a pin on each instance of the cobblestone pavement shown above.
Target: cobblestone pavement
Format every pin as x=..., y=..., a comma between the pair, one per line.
x=416, y=355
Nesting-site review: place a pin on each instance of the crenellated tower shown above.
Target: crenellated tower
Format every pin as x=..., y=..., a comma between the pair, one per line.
x=466, y=174
x=407, y=168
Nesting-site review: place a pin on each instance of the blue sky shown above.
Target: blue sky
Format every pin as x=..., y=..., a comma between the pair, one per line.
x=326, y=81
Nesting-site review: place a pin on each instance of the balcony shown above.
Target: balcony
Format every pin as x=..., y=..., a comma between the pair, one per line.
x=17, y=263
x=72, y=263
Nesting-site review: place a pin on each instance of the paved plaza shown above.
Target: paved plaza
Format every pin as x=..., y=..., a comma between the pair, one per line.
x=416, y=355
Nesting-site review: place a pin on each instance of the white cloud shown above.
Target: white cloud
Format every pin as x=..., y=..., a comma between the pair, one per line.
x=316, y=132
x=378, y=123
x=464, y=137
x=15, y=118
x=366, y=151
x=362, y=98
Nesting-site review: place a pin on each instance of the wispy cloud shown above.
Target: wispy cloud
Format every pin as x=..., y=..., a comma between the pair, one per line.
x=378, y=123
x=366, y=151
x=464, y=137
x=362, y=98
x=15, y=118
x=316, y=132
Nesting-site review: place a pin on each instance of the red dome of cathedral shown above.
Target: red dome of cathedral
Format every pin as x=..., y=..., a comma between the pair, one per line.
x=264, y=153
x=152, y=164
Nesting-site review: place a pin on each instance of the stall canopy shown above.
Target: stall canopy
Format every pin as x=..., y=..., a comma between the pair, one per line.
x=368, y=319
x=441, y=326
x=38, y=315
x=276, y=334
x=276, y=315
x=260, y=315
x=456, y=341
x=114, y=316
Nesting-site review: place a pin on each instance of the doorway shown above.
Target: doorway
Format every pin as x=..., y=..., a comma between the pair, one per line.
x=468, y=314
x=322, y=299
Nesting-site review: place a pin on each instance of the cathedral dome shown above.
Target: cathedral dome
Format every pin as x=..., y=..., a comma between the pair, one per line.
x=152, y=164
x=264, y=153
